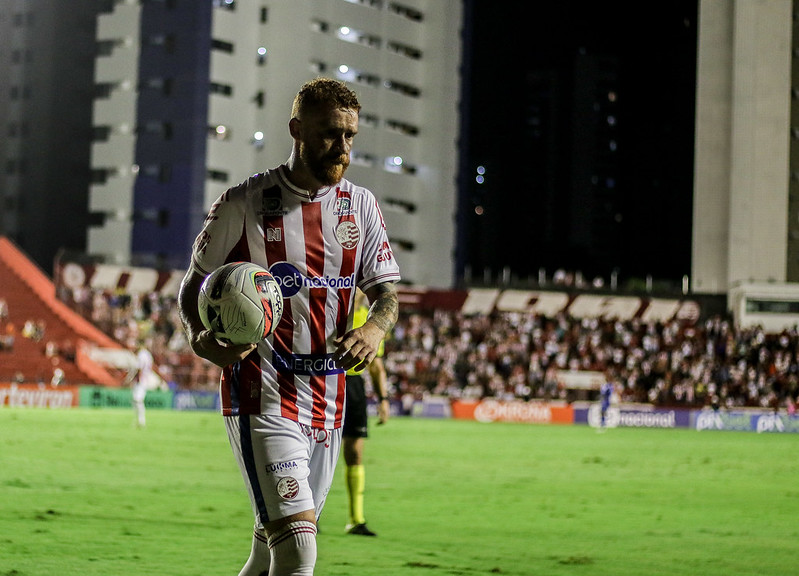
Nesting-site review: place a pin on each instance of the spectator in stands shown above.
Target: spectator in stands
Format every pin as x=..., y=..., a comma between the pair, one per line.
x=8, y=337
x=58, y=377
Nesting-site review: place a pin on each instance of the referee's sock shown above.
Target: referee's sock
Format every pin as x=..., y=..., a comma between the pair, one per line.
x=356, y=482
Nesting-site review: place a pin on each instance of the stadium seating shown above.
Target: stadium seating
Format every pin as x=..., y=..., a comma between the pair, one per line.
x=30, y=297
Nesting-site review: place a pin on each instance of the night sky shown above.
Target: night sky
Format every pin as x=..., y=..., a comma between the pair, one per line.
x=532, y=200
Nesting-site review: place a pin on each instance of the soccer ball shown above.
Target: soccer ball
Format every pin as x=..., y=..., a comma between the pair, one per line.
x=240, y=303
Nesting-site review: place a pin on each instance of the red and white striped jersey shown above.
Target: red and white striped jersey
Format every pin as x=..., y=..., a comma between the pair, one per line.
x=318, y=251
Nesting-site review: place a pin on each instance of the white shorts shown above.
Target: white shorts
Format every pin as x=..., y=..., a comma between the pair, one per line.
x=287, y=467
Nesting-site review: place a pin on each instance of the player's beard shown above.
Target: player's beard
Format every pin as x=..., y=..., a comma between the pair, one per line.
x=327, y=170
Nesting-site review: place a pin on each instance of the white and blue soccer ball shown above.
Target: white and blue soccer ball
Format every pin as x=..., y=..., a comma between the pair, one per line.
x=240, y=303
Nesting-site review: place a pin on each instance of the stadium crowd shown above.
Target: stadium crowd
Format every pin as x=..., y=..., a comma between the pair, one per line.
x=515, y=355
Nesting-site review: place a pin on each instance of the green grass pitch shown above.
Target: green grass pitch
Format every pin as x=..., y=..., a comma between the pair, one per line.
x=84, y=492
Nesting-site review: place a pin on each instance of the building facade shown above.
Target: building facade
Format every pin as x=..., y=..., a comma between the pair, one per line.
x=743, y=215
x=46, y=69
x=190, y=110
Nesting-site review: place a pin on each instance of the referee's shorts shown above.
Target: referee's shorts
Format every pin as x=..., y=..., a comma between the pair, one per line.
x=355, y=414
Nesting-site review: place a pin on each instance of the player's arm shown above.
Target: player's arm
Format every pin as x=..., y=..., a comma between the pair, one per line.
x=377, y=370
x=202, y=341
x=358, y=347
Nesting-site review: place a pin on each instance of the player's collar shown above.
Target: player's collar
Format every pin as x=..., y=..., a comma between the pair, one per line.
x=282, y=171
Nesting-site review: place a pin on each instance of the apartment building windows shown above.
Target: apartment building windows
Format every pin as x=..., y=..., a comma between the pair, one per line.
x=402, y=127
x=319, y=26
x=222, y=45
x=107, y=47
x=225, y=4
x=163, y=84
x=403, y=88
x=161, y=172
x=101, y=133
x=370, y=3
x=217, y=175
x=219, y=132
x=358, y=37
x=404, y=50
x=221, y=89
x=405, y=11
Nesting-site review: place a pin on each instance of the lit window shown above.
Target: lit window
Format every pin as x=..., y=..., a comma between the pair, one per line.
x=397, y=165
x=258, y=139
x=220, y=132
x=225, y=4
x=357, y=37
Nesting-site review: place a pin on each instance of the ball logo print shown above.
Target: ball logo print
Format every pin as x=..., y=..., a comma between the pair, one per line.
x=240, y=303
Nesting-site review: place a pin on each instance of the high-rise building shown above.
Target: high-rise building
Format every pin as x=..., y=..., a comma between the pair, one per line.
x=197, y=96
x=745, y=214
x=46, y=67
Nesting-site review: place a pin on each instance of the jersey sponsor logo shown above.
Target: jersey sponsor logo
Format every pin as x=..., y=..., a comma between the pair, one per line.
x=348, y=234
x=281, y=467
x=288, y=488
x=272, y=206
x=343, y=207
x=291, y=280
x=306, y=364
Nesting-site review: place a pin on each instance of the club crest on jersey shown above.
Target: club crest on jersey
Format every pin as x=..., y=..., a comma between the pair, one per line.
x=343, y=207
x=288, y=488
x=348, y=234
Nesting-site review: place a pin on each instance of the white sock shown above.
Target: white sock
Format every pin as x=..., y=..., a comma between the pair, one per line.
x=293, y=550
x=260, y=557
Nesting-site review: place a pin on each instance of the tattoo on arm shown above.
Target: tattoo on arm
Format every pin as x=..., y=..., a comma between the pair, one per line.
x=385, y=306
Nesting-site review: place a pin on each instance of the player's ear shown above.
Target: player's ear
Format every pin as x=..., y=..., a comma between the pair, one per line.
x=294, y=128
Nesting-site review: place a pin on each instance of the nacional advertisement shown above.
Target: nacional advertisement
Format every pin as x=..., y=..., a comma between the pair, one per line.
x=633, y=416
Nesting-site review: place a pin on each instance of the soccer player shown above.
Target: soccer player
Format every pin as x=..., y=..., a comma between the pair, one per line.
x=320, y=236
x=355, y=428
x=142, y=380
x=605, y=394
